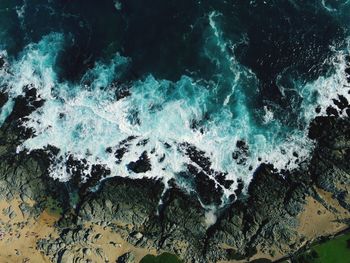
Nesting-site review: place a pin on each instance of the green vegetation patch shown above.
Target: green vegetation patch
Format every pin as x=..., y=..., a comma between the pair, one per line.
x=336, y=250
x=163, y=258
x=53, y=207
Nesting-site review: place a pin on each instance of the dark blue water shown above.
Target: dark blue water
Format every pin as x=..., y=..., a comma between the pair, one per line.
x=174, y=89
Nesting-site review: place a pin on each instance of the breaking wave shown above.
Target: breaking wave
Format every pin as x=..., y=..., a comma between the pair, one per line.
x=167, y=129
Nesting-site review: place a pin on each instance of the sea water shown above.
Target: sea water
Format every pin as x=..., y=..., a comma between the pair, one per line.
x=238, y=82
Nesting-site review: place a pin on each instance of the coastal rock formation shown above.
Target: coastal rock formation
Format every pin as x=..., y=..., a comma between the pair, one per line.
x=263, y=223
x=218, y=131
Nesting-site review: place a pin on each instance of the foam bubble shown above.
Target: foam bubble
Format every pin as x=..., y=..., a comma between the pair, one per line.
x=84, y=120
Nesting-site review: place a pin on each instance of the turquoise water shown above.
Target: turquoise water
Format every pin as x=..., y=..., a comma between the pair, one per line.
x=233, y=92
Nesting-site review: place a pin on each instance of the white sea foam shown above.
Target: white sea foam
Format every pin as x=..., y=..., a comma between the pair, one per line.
x=83, y=120
x=326, y=88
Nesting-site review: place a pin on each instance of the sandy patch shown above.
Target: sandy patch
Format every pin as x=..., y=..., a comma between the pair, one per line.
x=258, y=255
x=19, y=233
x=316, y=220
x=108, y=246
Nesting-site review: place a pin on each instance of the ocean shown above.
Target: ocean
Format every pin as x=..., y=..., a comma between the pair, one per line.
x=196, y=93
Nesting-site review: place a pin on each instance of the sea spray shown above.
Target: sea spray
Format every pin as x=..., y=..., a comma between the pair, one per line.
x=84, y=120
x=207, y=129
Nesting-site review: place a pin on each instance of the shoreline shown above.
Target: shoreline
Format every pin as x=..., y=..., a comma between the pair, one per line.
x=265, y=223
x=48, y=220
x=319, y=241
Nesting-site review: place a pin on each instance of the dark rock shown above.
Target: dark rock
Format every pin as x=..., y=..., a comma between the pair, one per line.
x=221, y=178
x=142, y=165
x=209, y=192
x=328, y=167
x=23, y=106
x=175, y=221
x=119, y=154
x=319, y=127
x=341, y=102
x=261, y=260
x=162, y=158
x=348, y=112
x=76, y=168
x=240, y=187
x=167, y=145
x=122, y=148
x=122, y=90
x=126, y=258
x=257, y=218
x=240, y=155
x=3, y=99
x=180, y=227
x=26, y=175
x=134, y=201
x=97, y=173
x=2, y=61
x=66, y=256
x=197, y=156
x=332, y=111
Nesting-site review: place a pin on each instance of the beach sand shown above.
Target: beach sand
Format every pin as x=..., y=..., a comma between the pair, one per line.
x=19, y=233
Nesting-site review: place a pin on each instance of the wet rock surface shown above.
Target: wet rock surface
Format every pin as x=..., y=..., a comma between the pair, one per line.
x=142, y=165
x=264, y=219
x=3, y=99
x=329, y=168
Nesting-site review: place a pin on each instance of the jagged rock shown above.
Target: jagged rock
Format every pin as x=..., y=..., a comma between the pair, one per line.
x=66, y=256
x=100, y=253
x=2, y=61
x=126, y=258
x=180, y=227
x=3, y=96
x=12, y=215
x=142, y=165
x=329, y=169
x=206, y=188
x=205, y=180
x=134, y=201
x=87, y=251
x=265, y=217
x=240, y=155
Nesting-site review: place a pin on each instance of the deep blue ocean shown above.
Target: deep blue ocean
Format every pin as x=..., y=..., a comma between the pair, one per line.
x=200, y=93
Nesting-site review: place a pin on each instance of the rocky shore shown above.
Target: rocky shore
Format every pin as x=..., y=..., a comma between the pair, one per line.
x=121, y=220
